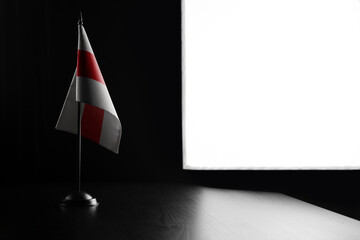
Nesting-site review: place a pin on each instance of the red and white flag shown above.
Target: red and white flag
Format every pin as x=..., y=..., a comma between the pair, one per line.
x=99, y=120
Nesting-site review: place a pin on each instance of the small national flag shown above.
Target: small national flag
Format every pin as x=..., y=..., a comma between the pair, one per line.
x=99, y=120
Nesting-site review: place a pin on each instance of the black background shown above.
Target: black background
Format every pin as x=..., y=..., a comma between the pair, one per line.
x=138, y=47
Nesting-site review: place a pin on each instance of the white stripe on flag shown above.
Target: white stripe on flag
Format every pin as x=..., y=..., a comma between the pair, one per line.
x=68, y=117
x=111, y=132
x=94, y=93
x=83, y=41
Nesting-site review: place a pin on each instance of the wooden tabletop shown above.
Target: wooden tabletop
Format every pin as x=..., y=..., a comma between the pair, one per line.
x=167, y=211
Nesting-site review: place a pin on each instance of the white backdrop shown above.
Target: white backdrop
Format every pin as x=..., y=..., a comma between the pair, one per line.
x=271, y=84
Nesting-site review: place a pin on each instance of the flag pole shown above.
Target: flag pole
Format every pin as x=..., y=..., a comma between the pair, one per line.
x=79, y=198
x=80, y=23
x=79, y=146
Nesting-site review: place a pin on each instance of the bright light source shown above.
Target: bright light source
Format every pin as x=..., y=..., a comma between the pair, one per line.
x=271, y=84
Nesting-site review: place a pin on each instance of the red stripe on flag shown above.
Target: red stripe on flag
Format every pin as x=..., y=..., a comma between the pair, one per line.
x=91, y=122
x=87, y=66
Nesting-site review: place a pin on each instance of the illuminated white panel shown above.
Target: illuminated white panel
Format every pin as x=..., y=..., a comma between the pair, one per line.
x=271, y=84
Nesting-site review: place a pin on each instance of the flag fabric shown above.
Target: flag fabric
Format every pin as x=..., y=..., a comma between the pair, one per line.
x=99, y=120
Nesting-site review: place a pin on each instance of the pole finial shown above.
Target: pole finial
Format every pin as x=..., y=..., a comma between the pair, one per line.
x=80, y=22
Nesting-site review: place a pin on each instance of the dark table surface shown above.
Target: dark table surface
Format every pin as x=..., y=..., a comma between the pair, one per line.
x=166, y=211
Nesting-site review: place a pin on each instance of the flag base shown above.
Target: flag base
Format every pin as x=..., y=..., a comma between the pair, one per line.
x=79, y=199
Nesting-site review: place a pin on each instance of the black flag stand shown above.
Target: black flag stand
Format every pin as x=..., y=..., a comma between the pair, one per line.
x=79, y=198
